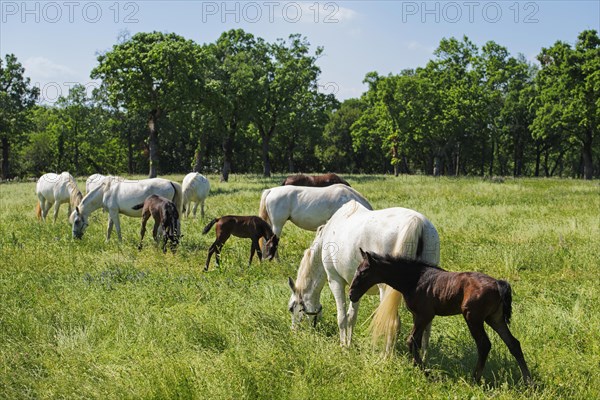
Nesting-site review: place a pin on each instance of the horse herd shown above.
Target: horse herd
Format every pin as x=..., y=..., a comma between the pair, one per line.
x=393, y=252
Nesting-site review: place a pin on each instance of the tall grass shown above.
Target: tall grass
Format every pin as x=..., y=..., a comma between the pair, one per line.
x=89, y=319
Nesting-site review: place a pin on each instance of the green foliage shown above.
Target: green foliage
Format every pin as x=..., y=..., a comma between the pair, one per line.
x=89, y=319
x=16, y=98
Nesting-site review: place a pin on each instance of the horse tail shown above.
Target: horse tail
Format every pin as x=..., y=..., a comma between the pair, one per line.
x=137, y=206
x=263, y=213
x=262, y=209
x=38, y=210
x=177, y=197
x=386, y=322
x=506, y=297
x=210, y=225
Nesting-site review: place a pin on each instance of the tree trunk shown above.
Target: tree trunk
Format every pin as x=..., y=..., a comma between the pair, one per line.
x=129, y=153
x=437, y=166
x=5, y=158
x=228, y=155
x=153, y=143
x=491, y=171
x=538, y=154
x=588, y=165
x=265, y=156
x=395, y=159
x=198, y=160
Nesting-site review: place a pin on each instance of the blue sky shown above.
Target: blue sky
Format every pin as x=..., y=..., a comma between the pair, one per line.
x=57, y=41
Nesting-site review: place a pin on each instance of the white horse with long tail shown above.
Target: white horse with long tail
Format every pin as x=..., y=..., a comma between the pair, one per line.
x=334, y=257
x=119, y=196
x=195, y=188
x=307, y=207
x=53, y=190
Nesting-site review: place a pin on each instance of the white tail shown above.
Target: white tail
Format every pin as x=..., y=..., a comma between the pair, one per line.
x=386, y=322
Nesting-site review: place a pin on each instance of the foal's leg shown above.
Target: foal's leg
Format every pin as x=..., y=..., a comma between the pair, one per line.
x=420, y=323
x=196, y=209
x=145, y=217
x=481, y=339
x=254, y=247
x=214, y=248
x=512, y=343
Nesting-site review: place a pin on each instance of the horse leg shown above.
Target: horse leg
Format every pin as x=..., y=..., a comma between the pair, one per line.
x=196, y=209
x=214, y=248
x=483, y=343
x=56, y=208
x=352, y=314
x=109, y=228
x=337, y=288
x=143, y=230
x=415, y=339
x=155, y=231
x=45, y=206
x=201, y=209
x=512, y=343
x=254, y=247
x=425, y=341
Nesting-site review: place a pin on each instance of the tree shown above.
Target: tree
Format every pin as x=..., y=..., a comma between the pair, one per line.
x=288, y=78
x=568, y=105
x=232, y=88
x=154, y=73
x=17, y=96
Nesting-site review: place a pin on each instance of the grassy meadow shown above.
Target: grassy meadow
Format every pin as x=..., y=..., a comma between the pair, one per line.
x=90, y=319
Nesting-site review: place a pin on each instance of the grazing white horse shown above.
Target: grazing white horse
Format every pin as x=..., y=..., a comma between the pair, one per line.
x=334, y=257
x=195, y=189
x=93, y=181
x=119, y=196
x=53, y=189
x=306, y=207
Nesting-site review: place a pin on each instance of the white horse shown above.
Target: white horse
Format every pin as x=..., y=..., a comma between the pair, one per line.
x=195, y=188
x=119, y=196
x=307, y=207
x=334, y=256
x=53, y=189
x=93, y=181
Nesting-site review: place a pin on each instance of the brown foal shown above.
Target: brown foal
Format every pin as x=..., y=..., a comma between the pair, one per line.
x=166, y=217
x=429, y=291
x=251, y=227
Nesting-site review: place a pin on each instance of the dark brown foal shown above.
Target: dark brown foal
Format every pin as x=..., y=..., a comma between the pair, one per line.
x=314, y=180
x=251, y=227
x=166, y=217
x=429, y=291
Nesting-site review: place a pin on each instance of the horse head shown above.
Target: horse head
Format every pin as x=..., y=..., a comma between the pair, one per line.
x=366, y=276
x=304, y=301
x=80, y=223
x=271, y=247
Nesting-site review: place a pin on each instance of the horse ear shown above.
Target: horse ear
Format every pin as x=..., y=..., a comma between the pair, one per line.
x=292, y=284
x=77, y=209
x=364, y=255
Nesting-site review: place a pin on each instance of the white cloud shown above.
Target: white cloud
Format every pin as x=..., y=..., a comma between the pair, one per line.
x=43, y=69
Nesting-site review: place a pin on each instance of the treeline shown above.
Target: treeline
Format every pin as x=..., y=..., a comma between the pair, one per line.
x=169, y=105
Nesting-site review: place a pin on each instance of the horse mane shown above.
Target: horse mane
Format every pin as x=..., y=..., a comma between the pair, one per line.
x=75, y=194
x=402, y=261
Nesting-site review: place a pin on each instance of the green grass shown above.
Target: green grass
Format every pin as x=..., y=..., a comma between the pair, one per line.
x=89, y=319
